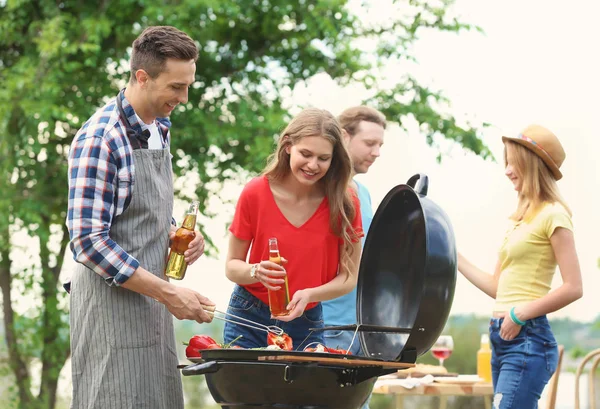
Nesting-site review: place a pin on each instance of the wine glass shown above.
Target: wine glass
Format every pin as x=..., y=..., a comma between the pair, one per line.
x=442, y=348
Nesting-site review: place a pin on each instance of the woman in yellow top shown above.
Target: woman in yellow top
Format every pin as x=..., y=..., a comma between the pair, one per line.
x=524, y=351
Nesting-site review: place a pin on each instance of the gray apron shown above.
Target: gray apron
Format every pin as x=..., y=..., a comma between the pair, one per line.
x=123, y=343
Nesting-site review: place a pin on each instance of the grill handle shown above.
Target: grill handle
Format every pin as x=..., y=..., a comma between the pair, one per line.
x=201, y=369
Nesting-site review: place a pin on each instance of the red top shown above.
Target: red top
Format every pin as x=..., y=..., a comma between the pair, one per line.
x=312, y=250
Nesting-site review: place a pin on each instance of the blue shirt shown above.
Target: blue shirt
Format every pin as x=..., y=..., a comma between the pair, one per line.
x=342, y=310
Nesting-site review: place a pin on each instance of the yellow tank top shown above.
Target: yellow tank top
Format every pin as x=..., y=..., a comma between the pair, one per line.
x=527, y=259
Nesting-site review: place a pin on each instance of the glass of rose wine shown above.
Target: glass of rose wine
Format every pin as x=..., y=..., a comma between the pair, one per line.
x=442, y=348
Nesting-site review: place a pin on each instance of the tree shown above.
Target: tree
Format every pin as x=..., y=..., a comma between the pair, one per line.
x=59, y=61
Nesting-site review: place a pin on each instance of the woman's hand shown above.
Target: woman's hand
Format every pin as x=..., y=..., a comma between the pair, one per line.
x=270, y=274
x=297, y=306
x=509, y=330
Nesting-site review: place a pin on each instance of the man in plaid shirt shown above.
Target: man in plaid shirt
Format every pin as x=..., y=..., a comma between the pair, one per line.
x=120, y=221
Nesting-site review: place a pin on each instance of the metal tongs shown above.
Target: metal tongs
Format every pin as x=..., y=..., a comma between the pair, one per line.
x=212, y=310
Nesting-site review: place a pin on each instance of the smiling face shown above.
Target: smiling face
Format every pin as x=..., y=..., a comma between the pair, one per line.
x=162, y=94
x=511, y=169
x=310, y=159
x=364, y=147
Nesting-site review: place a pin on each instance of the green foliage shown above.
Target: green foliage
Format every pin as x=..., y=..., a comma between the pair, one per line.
x=575, y=334
x=60, y=61
x=409, y=100
x=577, y=352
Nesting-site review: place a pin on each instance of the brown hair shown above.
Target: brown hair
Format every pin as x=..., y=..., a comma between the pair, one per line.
x=155, y=45
x=350, y=118
x=319, y=122
x=539, y=184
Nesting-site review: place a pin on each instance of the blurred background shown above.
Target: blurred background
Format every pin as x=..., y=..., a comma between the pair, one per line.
x=451, y=77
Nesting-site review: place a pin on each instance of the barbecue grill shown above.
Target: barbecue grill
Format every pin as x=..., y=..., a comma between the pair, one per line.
x=405, y=290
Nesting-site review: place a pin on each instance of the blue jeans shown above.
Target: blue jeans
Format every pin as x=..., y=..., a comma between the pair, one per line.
x=342, y=339
x=244, y=304
x=522, y=366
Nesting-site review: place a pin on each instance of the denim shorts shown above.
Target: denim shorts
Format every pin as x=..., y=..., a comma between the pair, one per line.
x=245, y=305
x=522, y=366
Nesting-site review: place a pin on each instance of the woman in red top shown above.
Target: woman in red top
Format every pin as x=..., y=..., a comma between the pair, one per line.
x=302, y=199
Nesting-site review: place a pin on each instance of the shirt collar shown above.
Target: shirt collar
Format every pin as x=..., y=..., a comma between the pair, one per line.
x=129, y=112
x=132, y=116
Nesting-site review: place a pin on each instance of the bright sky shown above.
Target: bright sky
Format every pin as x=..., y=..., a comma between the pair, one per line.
x=534, y=64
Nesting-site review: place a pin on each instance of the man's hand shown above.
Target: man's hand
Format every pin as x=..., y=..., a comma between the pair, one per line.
x=186, y=304
x=183, y=303
x=196, y=247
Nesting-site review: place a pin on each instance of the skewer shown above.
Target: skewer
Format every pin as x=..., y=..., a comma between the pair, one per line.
x=212, y=310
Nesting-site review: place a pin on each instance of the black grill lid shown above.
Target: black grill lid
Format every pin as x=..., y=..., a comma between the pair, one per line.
x=407, y=274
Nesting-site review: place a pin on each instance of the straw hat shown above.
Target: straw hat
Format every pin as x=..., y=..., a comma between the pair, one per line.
x=543, y=143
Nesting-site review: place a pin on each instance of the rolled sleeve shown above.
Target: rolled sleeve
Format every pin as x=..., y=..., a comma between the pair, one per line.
x=91, y=206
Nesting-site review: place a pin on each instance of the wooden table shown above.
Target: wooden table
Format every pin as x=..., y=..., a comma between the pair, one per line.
x=443, y=390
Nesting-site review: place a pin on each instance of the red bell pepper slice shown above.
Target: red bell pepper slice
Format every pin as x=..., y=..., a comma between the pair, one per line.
x=283, y=341
x=201, y=341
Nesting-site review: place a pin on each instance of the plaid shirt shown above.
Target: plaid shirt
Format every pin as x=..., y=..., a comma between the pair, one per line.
x=101, y=175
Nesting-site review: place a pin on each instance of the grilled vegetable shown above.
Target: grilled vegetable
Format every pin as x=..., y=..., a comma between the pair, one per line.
x=323, y=348
x=198, y=343
x=201, y=341
x=283, y=341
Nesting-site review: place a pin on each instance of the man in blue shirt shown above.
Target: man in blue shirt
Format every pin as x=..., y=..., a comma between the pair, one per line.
x=363, y=129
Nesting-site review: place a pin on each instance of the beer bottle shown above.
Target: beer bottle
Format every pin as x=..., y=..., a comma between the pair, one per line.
x=176, y=265
x=278, y=299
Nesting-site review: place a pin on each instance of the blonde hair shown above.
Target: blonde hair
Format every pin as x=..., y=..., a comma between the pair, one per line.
x=538, y=184
x=319, y=122
x=350, y=118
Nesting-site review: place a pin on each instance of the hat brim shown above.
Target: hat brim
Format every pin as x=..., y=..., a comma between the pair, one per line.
x=539, y=152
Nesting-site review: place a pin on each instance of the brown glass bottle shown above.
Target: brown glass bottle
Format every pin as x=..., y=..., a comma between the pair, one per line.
x=176, y=265
x=278, y=299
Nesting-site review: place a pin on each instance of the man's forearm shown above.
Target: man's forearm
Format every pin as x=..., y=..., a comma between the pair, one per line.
x=146, y=283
